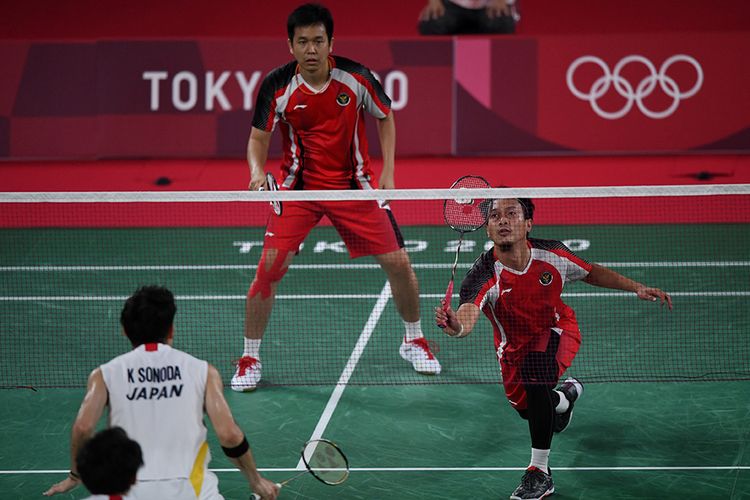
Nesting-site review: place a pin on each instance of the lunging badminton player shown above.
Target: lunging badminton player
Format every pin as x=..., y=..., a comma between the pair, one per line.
x=318, y=101
x=518, y=285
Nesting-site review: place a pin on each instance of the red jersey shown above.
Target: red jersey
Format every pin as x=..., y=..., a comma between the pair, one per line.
x=523, y=306
x=323, y=132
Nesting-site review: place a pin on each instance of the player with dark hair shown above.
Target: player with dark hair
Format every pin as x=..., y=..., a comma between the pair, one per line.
x=159, y=395
x=108, y=463
x=318, y=103
x=518, y=285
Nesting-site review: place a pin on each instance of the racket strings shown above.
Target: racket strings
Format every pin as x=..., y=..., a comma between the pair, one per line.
x=466, y=214
x=326, y=462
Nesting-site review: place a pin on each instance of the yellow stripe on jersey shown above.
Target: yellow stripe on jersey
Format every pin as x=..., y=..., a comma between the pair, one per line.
x=199, y=469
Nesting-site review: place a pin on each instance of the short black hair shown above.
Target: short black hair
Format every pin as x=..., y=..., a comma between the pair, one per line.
x=109, y=461
x=527, y=204
x=308, y=15
x=148, y=315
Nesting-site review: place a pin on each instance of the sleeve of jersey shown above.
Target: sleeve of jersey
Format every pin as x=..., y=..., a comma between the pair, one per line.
x=265, y=114
x=476, y=284
x=375, y=100
x=578, y=268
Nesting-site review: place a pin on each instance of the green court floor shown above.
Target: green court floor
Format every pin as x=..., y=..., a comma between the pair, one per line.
x=627, y=441
x=665, y=413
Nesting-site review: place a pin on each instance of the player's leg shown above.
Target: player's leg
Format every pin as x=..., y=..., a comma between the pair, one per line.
x=368, y=229
x=405, y=290
x=539, y=372
x=272, y=266
x=571, y=389
x=284, y=234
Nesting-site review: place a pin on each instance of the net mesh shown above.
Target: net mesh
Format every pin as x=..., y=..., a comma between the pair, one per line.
x=69, y=261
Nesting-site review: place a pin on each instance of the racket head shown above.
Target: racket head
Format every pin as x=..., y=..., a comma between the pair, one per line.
x=325, y=461
x=273, y=186
x=466, y=214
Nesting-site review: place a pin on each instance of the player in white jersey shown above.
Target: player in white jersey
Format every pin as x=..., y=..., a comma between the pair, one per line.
x=158, y=394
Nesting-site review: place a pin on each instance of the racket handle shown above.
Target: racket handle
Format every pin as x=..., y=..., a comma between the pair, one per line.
x=449, y=294
x=257, y=497
x=447, y=300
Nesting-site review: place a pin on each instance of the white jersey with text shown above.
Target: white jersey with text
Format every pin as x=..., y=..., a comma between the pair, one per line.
x=156, y=394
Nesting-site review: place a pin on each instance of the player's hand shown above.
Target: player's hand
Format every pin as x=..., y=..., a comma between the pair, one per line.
x=386, y=182
x=498, y=8
x=433, y=10
x=445, y=318
x=257, y=180
x=66, y=484
x=265, y=489
x=654, y=294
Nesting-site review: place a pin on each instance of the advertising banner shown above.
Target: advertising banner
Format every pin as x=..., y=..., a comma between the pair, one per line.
x=192, y=98
x=466, y=96
x=603, y=94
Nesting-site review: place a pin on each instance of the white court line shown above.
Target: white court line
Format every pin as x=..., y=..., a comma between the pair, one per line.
x=452, y=469
x=222, y=267
x=367, y=296
x=351, y=364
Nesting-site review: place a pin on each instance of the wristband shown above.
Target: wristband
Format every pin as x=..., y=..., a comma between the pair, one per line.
x=459, y=332
x=74, y=476
x=238, y=450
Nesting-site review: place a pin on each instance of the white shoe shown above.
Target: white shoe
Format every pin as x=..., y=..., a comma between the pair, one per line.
x=247, y=376
x=417, y=352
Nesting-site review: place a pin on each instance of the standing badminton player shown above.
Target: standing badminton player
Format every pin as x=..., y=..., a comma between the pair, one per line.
x=318, y=101
x=518, y=285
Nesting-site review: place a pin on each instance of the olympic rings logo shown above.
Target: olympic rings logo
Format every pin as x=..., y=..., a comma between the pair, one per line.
x=614, y=79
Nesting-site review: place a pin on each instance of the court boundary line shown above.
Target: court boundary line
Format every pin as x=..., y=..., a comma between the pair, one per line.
x=454, y=469
x=110, y=298
x=351, y=365
x=423, y=265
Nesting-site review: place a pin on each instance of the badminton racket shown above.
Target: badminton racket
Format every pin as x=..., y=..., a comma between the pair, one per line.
x=273, y=186
x=464, y=215
x=324, y=460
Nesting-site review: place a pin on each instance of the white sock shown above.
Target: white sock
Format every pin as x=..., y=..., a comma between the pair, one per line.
x=539, y=459
x=413, y=330
x=252, y=348
x=563, y=405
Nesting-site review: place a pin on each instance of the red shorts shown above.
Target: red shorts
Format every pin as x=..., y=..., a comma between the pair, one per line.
x=365, y=227
x=570, y=342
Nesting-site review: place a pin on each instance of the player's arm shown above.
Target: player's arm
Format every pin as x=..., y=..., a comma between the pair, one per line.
x=232, y=439
x=457, y=323
x=387, y=137
x=607, y=278
x=89, y=413
x=257, y=154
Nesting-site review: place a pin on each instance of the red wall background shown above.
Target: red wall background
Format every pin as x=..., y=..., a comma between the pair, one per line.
x=83, y=19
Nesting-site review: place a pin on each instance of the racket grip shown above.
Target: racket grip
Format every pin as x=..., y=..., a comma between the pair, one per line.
x=257, y=497
x=449, y=294
x=447, y=300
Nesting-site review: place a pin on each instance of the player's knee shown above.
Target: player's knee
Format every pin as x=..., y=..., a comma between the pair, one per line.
x=539, y=368
x=268, y=274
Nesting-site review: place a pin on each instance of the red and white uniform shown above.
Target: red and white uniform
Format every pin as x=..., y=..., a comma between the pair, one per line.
x=325, y=148
x=157, y=394
x=323, y=132
x=525, y=307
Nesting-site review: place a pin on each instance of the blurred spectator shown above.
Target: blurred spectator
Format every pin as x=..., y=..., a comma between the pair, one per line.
x=456, y=17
